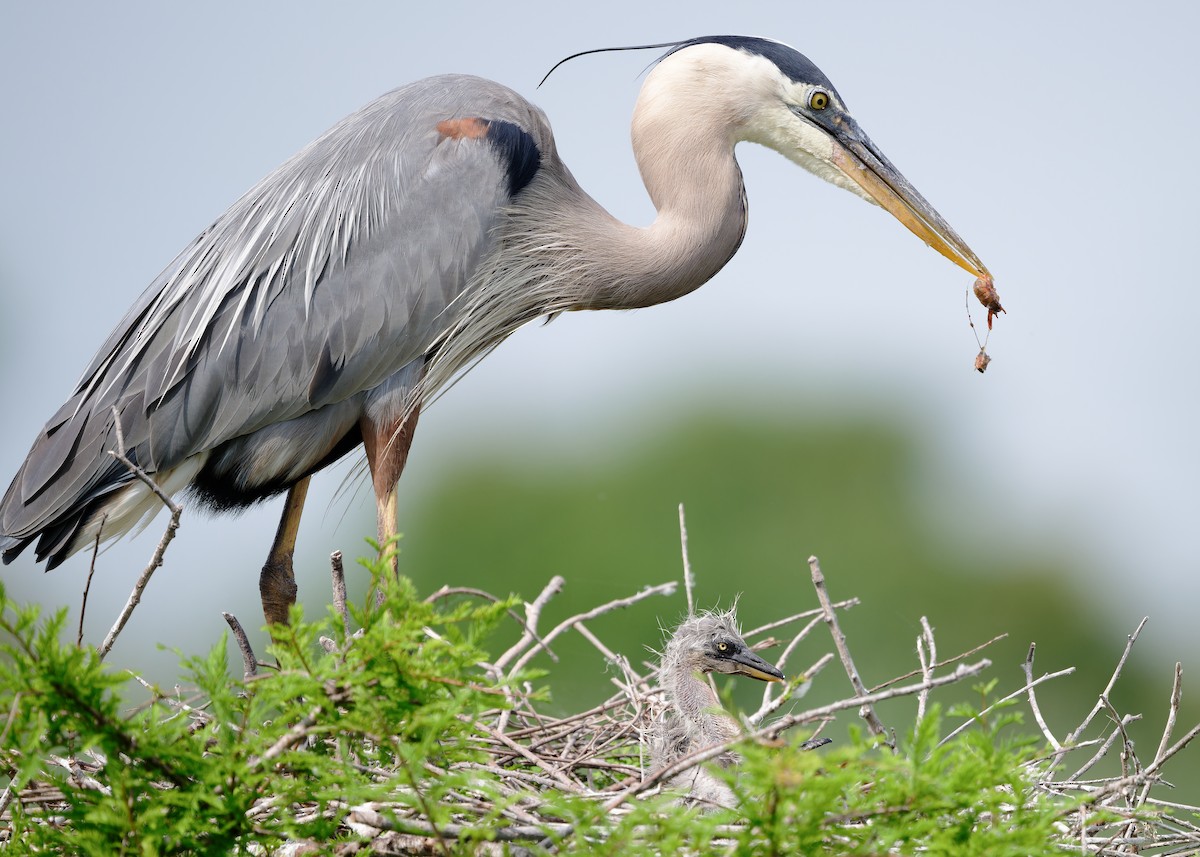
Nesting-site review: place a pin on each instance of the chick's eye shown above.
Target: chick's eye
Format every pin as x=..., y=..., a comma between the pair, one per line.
x=819, y=99
x=722, y=647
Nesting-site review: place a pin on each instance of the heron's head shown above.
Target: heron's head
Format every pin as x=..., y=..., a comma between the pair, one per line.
x=711, y=642
x=765, y=92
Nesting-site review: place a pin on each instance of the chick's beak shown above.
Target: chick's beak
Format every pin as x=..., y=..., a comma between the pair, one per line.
x=751, y=665
x=860, y=159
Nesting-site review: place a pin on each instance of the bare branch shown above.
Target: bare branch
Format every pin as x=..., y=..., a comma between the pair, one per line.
x=839, y=640
x=1172, y=716
x=533, y=613
x=960, y=657
x=689, y=580
x=1004, y=699
x=1033, y=703
x=249, y=662
x=338, y=573
x=156, y=560
x=650, y=591
x=88, y=585
x=804, y=614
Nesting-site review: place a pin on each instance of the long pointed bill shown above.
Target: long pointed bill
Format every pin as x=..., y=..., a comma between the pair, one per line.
x=751, y=665
x=856, y=156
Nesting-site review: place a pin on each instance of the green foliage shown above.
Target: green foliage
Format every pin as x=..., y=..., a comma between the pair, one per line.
x=183, y=778
x=393, y=716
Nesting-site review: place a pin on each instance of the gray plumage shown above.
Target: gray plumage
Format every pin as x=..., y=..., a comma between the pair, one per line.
x=692, y=717
x=329, y=303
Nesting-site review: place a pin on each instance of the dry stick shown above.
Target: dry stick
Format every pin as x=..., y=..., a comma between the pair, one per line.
x=1105, y=746
x=533, y=612
x=770, y=706
x=249, y=662
x=800, y=635
x=661, y=589
x=88, y=585
x=804, y=614
x=529, y=756
x=866, y=712
x=1172, y=714
x=156, y=560
x=339, y=594
x=447, y=591
x=1002, y=700
x=689, y=580
x=948, y=661
x=1116, y=786
x=927, y=656
x=1033, y=703
x=1070, y=740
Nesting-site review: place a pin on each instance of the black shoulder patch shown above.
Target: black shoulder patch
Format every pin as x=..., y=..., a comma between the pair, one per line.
x=795, y=65
x=518, y=153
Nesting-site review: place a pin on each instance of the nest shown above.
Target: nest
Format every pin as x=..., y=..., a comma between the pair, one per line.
x=600, y=754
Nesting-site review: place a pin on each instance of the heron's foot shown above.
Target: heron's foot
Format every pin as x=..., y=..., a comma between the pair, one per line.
x=277, y=586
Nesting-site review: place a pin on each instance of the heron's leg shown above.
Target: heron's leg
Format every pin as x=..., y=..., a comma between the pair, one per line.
x=277, y=583
x=387, y=444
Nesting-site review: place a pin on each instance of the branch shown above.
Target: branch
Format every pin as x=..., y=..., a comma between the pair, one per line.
x=689, y=580
x=1005, y=699
x=660, y=589
x=1033, y=704
x=88, y=585
x=156, y=560
x=339, y=594
x=249, y=662
x=839, y=640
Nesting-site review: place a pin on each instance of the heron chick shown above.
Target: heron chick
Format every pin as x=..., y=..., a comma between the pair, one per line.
x=325, y=308
x=693, y=718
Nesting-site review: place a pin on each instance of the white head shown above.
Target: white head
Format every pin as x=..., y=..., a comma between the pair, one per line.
x=740, y=88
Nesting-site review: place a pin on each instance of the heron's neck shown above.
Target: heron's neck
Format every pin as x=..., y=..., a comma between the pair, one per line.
x=696, y=186
x=700, y=710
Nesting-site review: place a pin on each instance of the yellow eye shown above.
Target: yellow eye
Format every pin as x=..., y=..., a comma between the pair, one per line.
x=819, y=99
x=722, y=646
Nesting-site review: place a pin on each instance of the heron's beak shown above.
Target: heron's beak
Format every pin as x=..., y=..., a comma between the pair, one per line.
x=856, y=156
x=750, y=664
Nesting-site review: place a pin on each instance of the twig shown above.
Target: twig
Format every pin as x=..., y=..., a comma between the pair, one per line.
x=804, y=614
x=927, y=656
x=119, y=455
x=1033, y=703
x=770, y=706
x=447, y=591
x=291, y=738
x=1172, y=715
x=1073, y=737
x=249, y=662
x=939, y=665
x=88, y=585
x=689, y=580
x=839, y=640
x=661, y=589
x=156, y=560
x=338, y=574
x=1003, y=700
x=533, y=612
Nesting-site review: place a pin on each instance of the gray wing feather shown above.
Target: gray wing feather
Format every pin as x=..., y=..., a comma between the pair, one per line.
x=326, y=278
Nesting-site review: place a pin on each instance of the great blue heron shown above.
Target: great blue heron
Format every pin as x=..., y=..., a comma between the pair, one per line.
x=333, y=299
x=692, y=717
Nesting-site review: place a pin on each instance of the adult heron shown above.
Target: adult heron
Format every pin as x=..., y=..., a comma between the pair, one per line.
x=332, y=300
